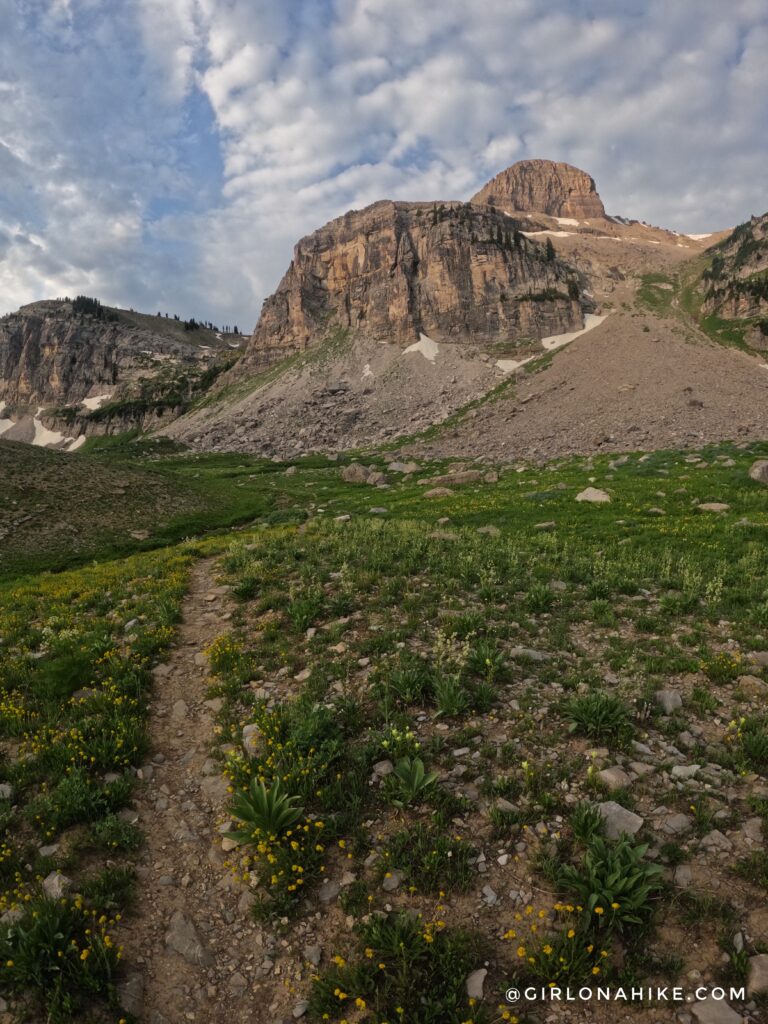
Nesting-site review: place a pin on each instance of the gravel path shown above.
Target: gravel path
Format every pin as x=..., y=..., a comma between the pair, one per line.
x=197, y=952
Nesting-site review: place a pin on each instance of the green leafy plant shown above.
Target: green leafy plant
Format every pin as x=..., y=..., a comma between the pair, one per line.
x=486, y=660
x=430, y=859
x=61, y=954
x=305, y=607
x=754, y=868
x=613, y=883
x=599, y=716
x=452, y=696
x=586, y=822
x=754, y=744
x=539, y=598
x=115, y=834
x=410, y=782
x=408, y=683
x=264, y=811
x=723, y=667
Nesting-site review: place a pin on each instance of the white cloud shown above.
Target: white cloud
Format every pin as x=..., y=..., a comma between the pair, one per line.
x=324, y=106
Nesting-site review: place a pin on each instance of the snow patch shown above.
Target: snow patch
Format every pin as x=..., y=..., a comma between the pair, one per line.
x=508, y=365
x=569, y=222
x=77, y=443
x=44, y=437
x=555, y=234
x=591, y=320
x=698, y=238
x=4, y=424
x=426, y=346
x=95, y=402
x=555, y=341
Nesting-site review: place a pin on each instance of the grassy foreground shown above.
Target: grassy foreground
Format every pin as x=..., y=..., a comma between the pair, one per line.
x=441, y=724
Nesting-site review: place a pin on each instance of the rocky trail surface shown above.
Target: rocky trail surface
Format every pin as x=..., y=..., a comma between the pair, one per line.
x=196, y=951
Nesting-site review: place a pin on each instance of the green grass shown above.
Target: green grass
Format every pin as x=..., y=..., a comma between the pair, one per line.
x=656, y=292
x=728, y=332
x=404, y=968
x=73, y=704
x=681, y=296
x=330, y=347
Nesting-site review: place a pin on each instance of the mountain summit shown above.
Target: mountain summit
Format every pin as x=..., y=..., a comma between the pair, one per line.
x=543, y=186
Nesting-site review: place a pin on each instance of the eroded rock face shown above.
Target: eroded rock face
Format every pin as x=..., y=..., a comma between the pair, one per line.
x=48, y=355
x=543, y=186
x=735, y=285
x=52, y=358
x=395, y=271
x=45, y=357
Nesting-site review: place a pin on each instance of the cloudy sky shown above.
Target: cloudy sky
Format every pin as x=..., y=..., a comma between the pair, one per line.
x=166, y=154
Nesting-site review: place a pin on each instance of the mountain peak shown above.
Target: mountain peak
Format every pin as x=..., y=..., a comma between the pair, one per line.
x=543, y=186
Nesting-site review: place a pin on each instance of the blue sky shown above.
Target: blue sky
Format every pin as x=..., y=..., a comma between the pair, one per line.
x=167, y=154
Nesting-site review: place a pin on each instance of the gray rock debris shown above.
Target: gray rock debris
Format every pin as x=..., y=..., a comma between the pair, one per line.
x=57, y=885
x=758, y=971
x=715, y=1011
x=594, y=496
x=183, y=939
x=758, y=471
x=392, y=881
x=618, y=820
x=614, y=778
x=668, y=700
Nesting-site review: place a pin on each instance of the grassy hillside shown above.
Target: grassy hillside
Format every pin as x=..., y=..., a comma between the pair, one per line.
x=62, y=509
x=167, y=327
x=682, y=296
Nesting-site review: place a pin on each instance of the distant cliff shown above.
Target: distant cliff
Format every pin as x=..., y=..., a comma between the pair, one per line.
x=394, y=271
x=99, y=373
x=736, y=284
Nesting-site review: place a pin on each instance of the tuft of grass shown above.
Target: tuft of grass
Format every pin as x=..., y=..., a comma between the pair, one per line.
x=405, y=968
x=429, y=859
x=600, y=716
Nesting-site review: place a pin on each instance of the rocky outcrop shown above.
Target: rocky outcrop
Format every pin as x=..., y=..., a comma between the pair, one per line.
x=543, y=186
x=736, y=283
x=396, y=271
x=96, y=373
x=51, y=356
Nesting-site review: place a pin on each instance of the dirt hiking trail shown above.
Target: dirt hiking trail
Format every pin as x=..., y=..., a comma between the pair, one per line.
x=194, y=951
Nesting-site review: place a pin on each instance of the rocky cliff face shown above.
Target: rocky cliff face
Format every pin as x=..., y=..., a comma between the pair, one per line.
x=543, y=186
x=395, y=271
x=736, y=283
x=50, y=356
x=95, y=374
